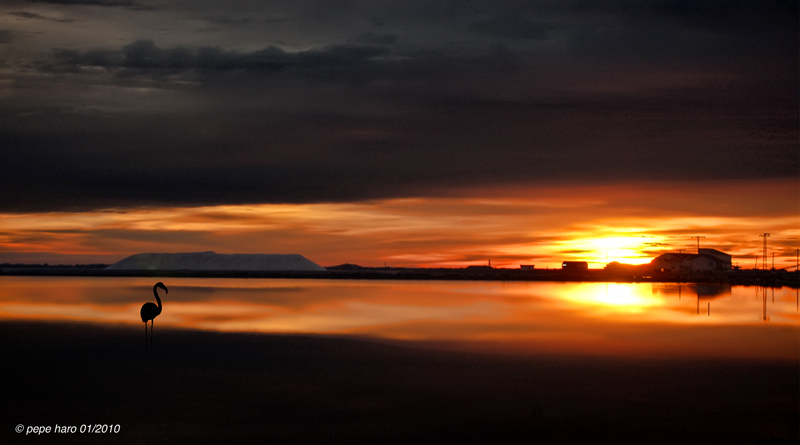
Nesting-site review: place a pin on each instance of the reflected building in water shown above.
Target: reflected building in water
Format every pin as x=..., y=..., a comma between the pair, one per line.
x=704, y=291
x=711, y=291
x=701, y=290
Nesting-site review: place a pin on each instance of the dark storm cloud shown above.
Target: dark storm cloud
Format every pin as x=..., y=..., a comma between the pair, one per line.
x=33, y=15
x=145, y=58
x=377, y=38
x=513, y=26
x=682, y=30
x=6, y=36
x=391, y=99
x=225, y=20
x=730, y=17
x=88, y=2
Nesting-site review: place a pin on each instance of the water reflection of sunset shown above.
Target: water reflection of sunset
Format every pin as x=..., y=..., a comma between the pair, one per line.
x=625, y=297
x=564, y=318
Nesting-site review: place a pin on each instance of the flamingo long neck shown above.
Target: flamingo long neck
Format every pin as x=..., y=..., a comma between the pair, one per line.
x=155, y=292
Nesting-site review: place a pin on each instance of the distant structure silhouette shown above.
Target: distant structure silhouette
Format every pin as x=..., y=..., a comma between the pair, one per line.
x=150, y=311
x=764, y=260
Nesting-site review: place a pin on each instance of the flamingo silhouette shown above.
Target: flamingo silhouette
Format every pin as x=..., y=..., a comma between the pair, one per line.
x=150, y=311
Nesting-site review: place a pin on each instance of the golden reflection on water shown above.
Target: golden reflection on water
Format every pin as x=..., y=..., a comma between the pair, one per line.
x=622, y=297
x=541, y=317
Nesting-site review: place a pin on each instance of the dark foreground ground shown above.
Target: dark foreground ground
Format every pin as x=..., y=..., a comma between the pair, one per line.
x=202, y=387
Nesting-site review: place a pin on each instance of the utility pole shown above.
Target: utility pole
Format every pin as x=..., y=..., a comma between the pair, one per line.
x=764, y=260
x=680, y=261
x=698, y=242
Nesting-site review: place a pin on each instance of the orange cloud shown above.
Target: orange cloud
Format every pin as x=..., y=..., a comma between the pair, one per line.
x=626, y=223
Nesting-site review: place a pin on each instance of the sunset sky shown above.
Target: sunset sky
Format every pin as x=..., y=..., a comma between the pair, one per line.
x=411, y=133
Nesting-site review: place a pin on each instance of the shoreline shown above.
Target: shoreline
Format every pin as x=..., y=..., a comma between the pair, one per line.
x=770, y=278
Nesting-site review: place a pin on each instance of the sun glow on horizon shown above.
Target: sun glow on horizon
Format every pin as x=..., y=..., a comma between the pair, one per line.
x=550, y=227
x=631, y=249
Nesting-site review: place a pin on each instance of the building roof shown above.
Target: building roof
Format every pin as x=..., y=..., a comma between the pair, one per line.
x=714, y=252
x=686, y=257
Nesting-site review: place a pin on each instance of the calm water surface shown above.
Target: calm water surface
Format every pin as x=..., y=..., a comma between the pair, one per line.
x=558, y=318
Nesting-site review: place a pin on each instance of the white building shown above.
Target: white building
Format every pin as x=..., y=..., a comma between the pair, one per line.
x=704, y=261
x=721, y=256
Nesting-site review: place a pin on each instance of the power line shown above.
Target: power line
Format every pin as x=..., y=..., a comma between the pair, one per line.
x=764, y=260
x=698, y=242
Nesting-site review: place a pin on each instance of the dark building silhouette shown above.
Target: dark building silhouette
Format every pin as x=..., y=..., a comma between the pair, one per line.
x=704, y=261
x=575, y=266
x=479, y=268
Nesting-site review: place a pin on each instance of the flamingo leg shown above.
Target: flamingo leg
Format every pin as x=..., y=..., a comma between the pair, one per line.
x=151, y=331
x=145, y=334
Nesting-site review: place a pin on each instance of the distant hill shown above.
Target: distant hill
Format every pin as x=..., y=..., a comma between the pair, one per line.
x=216, y=261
